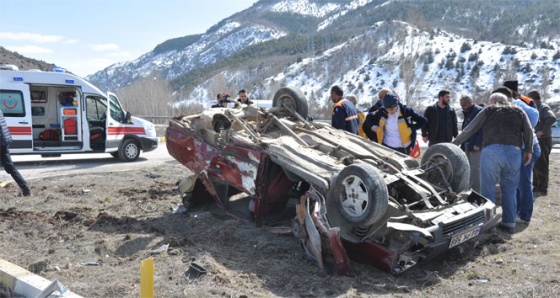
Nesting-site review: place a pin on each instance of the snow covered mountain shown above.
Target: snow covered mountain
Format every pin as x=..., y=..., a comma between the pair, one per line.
x=362, y=45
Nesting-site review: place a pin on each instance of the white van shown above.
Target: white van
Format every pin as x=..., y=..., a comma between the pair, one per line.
x=54, y=113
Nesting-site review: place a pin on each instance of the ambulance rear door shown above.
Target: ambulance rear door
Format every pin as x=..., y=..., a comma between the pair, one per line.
x=16, y=105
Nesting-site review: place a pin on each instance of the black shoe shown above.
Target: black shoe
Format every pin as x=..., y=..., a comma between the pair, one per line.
x=508, y=230
x=538, y=194
x=26, y=192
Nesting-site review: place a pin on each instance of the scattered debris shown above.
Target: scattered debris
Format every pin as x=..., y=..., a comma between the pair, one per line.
x=93, y=263
x=160, y=249
x=196, y=270
x=180, y=209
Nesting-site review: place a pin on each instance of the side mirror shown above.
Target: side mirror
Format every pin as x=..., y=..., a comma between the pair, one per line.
x=128, y=117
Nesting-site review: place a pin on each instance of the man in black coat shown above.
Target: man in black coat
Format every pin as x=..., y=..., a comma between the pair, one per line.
x=442, y=121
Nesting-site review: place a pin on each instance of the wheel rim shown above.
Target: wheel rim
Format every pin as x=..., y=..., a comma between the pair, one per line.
x=131, y=150
x=355, y=197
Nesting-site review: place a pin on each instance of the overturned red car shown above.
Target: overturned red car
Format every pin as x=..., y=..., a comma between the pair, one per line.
x=341, y=195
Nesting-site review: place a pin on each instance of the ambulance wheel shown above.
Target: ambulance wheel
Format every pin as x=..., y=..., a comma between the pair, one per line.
x=129, y=150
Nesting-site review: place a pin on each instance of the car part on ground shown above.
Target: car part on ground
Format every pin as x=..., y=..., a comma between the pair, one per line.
x=343, y=196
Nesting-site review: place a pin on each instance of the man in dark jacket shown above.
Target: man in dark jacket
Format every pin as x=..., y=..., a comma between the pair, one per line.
x=344, y=114
x=544, y=135
x=5, y=140
x=394, y=125
x=442, y=121
x=473, y=145
x=222, y=101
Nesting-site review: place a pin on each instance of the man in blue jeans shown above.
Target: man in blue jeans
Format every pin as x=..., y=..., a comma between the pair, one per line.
x=506, y=129
x=525, y=196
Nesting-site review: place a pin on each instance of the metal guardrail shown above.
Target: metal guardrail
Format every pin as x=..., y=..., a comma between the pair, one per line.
x=155, y=119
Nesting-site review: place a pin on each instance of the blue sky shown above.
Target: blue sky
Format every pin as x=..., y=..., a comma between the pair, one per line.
x=85, y=36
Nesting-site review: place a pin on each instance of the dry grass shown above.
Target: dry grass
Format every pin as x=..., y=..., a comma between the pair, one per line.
x=91, y=232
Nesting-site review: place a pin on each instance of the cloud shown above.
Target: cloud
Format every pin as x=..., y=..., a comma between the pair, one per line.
x=104, y=47
x=71, y=41
x=24, y=36
x=30, y=50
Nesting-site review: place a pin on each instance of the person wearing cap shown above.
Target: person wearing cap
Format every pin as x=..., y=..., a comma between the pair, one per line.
x=544, y=136
x=379, y=102
x=394, y=125
x=442, y=121
x=525, y=195
x=506, y=129
x=344, y=114
x=513, y=85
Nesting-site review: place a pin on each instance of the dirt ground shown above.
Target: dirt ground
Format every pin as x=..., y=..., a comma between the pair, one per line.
x=91, y=232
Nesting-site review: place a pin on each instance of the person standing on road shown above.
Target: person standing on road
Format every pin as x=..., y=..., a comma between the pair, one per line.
x=344, y=114
x=5, y=140
x=472, y=147
x=442, y=121
x=544, y=136
x=525, y=197
x=506, y=129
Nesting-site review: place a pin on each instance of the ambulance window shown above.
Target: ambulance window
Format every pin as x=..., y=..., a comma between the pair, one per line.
x=116, y=110
x=96, y=108
x=11, y=103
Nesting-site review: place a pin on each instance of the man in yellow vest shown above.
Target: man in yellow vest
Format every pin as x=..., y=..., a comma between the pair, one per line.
x=395, y=124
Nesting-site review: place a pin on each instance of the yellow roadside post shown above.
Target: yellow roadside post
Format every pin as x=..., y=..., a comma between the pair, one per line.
x=147, y=278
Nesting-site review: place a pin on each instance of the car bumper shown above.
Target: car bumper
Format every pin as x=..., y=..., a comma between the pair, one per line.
x=149, y=144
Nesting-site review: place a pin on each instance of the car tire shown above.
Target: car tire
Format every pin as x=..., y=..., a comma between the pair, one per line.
x=360, y=194
x=129, y=150
x=292, y=97
x=452, y=161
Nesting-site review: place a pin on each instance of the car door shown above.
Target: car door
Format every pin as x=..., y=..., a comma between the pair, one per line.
x=556, y=132
x=15, y=104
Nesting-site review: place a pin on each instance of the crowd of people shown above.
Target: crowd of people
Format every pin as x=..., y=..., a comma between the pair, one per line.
x=507, y=139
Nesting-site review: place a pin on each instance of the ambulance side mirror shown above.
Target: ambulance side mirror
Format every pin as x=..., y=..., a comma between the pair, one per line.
x=128, y=117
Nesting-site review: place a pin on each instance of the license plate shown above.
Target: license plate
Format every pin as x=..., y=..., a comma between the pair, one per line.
x=458, y=239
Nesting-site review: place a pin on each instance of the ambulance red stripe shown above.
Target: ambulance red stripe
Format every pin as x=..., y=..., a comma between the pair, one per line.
x=126, y=130
x=20, y=130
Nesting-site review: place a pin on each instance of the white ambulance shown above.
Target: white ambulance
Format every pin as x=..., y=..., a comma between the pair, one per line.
x=54, y=113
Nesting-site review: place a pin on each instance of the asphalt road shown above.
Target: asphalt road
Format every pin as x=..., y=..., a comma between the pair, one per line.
x=34, y=166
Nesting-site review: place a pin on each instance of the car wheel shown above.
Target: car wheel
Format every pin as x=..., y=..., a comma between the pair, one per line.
x=293, y=98
x=360, y=194
x=129, y=150
x=447, y=161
